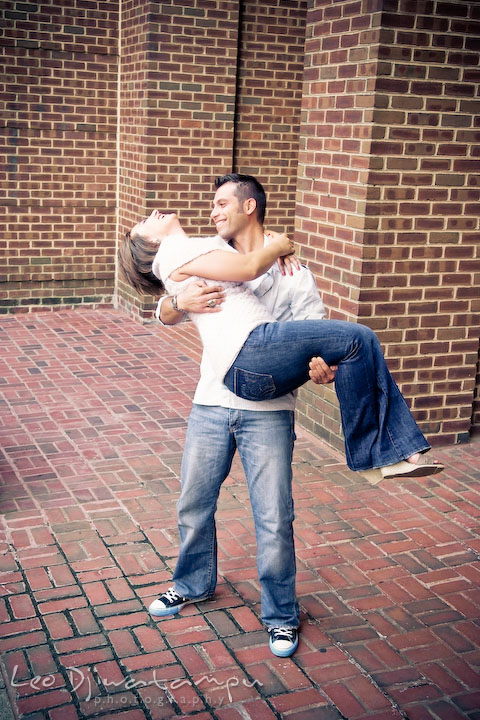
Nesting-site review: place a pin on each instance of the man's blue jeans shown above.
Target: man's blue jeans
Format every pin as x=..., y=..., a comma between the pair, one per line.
x=265, y=444
x=377, y=424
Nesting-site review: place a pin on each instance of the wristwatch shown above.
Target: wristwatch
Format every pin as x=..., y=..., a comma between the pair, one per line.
x=174, y=304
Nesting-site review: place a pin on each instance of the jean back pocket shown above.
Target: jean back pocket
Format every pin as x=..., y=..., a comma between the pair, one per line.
x=252, y=386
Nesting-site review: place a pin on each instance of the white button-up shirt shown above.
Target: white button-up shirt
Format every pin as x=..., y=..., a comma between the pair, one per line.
x=287, y=297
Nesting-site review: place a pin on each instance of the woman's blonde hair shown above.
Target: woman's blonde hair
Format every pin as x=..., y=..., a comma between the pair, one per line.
x=135, y=256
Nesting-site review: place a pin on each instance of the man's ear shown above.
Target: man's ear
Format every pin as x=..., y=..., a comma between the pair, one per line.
x=249, y=206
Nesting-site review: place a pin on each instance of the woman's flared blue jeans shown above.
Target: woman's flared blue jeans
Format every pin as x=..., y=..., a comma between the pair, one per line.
x=377, y=424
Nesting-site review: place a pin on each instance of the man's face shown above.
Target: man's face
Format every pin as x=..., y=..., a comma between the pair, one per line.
x=157, y=225
x=227, y=213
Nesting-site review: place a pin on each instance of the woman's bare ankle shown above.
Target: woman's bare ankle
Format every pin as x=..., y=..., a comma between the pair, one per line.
x=414, y=458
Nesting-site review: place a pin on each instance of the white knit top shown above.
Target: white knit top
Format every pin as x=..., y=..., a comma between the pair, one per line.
x=222, y=333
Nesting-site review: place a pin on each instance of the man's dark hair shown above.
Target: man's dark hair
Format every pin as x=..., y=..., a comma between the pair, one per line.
x=247, y=187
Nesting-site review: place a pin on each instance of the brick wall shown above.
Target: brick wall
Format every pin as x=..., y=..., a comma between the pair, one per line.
x=372, y=160
x=388, y=194
x=58, y=88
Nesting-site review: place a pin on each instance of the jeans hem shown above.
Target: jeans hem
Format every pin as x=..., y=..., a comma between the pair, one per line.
x=287, y=627
x=195, y=599
x=399, y=459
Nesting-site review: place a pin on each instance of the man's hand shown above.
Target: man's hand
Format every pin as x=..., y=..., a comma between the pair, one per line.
x=321, y=373
x=286, y=263
x=198, y=297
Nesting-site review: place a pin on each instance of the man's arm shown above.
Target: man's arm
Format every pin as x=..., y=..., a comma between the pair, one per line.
x=198, y=297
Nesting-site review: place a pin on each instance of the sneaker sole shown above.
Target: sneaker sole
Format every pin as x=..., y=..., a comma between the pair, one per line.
x=167, y=611
x=175, y=610
x=284, y=653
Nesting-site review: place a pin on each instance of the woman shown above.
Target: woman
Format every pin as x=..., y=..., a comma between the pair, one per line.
x=259, y=359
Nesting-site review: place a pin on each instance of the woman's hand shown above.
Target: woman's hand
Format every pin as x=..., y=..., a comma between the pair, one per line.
x=288, y=264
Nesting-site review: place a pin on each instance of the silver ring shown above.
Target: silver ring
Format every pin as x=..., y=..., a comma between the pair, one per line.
x=211, y=303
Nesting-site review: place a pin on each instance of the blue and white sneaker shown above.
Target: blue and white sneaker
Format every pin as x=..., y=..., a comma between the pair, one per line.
x=170, y=603
x=283, y=641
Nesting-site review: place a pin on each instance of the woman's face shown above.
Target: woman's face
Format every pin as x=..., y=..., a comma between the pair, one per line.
x=157, y=226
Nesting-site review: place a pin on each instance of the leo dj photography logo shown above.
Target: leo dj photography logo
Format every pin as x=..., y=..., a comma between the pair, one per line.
x=79, y=680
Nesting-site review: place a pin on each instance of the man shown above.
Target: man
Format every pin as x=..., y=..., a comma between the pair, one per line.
x=263, y=433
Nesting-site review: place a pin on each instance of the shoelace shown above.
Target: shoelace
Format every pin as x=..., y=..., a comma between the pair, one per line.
x=171, y=595
x=283, y=633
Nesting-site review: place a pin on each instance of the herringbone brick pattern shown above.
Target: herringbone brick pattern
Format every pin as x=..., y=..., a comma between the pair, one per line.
x=93, y=418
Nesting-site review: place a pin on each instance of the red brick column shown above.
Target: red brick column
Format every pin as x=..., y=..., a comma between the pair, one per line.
x=269, y=94
x=177, y=102
x=59, y=63
x=388, y=195
x=476, y=402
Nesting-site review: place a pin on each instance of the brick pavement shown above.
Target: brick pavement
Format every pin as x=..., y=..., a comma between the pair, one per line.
x=92, y=424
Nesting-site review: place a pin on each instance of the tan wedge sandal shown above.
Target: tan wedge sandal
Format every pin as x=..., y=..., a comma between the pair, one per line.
x=421, y=468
